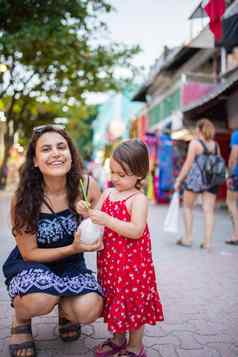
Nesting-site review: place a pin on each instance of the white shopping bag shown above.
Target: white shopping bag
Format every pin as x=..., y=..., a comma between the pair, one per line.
x=90, y=232
x=171, y=223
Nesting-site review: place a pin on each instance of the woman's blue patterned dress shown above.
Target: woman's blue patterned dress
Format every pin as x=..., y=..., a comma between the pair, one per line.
x=65, y=277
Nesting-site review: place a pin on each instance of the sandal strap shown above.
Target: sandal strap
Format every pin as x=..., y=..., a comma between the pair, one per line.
x=63, y=321
x=22, y=346
x=66, y=325
x=132, y=354
x=114, y=348
x=109, y=343
x=70, y=327
x=21, y=329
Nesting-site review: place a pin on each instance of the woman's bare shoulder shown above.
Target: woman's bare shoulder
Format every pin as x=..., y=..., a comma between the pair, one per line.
x=195, y=145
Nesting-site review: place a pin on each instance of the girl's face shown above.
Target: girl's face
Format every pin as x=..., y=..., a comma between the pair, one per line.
x=121, y=180
x=52, y=155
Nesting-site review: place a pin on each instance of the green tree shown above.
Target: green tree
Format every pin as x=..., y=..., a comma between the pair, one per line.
x=54, y=50
x=81, y=130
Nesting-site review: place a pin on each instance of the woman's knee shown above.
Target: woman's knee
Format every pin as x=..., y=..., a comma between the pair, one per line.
x=35, y=304
x=86, y=308
x=93, y=308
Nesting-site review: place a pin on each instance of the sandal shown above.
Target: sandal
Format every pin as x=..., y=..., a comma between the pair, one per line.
x=29, y=347
x=133, y=354
x=232, y=242
x=181, y=243
x=66, y=327
x=204, y=246
x=113, y=348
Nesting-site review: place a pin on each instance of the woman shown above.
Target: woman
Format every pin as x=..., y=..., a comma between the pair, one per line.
x=47, y=266
x=232, y=187
x=192, y=176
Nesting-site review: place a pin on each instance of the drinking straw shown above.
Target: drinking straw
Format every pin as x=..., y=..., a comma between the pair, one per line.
x=87, y=204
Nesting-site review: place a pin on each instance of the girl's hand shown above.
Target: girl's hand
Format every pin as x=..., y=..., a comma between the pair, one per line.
x=81, y=208
x=98, y=217
x=79, y=247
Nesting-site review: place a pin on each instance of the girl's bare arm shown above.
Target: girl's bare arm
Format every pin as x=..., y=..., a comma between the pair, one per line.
x=133, y=229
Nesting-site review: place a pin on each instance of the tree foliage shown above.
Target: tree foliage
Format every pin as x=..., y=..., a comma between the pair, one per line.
x=55, y=51
x=81, y=130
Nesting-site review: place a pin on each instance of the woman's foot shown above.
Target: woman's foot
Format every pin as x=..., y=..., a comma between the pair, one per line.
x=232, y=241
x=111, y=347
x=204, y=246
x=21, y=341
x=182, y=243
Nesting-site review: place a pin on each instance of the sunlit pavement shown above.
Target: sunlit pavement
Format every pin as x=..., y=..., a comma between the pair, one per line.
x=199, y=291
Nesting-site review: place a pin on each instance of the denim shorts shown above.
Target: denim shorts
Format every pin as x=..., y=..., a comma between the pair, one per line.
x=214, y=190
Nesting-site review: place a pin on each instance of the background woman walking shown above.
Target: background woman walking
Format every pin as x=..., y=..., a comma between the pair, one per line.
x=192, y=178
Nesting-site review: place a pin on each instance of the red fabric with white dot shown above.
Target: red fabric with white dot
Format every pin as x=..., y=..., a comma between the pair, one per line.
x=126, y=273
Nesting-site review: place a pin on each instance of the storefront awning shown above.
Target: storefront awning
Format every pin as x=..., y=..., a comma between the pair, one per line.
x=198, y=12
x=175, y=58
x=230, y=33
x=140, y=96
x=222, y=88
x=173, y=122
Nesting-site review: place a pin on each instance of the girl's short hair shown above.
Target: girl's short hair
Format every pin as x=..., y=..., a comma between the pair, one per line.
x=132, y=155
x=207, y=128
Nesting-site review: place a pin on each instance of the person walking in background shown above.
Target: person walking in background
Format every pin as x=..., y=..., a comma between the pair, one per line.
x=47, y=265
x=192, y=178
x=232, y=187
x=125, y=266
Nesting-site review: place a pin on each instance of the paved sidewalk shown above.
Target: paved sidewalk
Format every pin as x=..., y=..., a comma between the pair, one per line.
x=199, y=290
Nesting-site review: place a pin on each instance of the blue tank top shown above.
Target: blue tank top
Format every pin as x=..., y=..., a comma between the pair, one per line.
x=56, y=229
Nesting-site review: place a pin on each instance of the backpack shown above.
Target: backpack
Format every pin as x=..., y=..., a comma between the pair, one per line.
x=214, y=169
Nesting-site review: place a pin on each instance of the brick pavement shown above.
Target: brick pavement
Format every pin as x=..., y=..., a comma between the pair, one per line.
x=199, y=290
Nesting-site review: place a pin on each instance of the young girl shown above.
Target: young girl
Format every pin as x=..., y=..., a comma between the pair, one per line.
x=125, y=266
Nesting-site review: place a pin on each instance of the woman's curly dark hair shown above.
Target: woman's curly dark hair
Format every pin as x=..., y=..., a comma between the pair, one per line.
x=30, y=192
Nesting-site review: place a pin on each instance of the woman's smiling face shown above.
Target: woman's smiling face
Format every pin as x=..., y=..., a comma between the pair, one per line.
x=52, y=155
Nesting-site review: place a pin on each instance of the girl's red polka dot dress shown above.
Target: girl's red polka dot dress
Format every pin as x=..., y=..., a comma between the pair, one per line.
x=126, y=273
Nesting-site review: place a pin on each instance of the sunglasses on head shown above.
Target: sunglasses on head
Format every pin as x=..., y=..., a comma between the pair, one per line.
x=40, y=128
